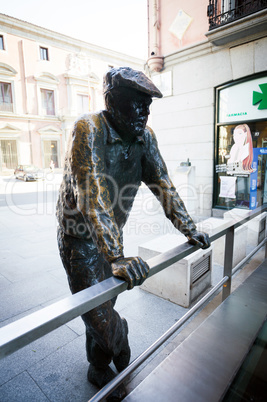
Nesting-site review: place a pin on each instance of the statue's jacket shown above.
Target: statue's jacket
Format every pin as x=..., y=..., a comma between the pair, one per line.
x=101, y=177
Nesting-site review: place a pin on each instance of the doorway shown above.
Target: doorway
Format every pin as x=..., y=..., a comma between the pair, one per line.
x=51, y=153
x=8, y=154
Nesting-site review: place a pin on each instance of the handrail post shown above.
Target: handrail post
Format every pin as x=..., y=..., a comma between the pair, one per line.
x=228, y=261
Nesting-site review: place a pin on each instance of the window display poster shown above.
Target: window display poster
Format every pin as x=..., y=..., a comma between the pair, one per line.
x=237, y=157
x=240, y=157
x=265, y=186
x=254, y=178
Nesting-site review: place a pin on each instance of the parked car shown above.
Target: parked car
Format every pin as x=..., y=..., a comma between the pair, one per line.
x=28, y=173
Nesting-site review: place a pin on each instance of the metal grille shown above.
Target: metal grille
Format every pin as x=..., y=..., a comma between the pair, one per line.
x=201, y=268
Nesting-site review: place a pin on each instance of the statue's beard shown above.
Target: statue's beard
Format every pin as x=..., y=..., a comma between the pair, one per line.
x=128, y=128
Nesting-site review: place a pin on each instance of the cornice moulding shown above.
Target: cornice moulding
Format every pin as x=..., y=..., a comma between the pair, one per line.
x=46, y=77
x=25, y=29
x=187, y=53
x=5, y=69
x=9, y=129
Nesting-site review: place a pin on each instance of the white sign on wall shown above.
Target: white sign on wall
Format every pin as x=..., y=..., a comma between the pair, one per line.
x=244, y=101
x=163, y=82
x=180, y=24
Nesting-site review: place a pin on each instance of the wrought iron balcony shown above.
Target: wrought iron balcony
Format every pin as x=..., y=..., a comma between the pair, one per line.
x=225, y=11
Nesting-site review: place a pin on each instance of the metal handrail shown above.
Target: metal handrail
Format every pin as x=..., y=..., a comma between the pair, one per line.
x=25, y=330
x=107, y=389
x=228, y=229
x=22, y=332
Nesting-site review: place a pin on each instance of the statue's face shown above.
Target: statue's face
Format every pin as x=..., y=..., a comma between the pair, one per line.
x=130, y=112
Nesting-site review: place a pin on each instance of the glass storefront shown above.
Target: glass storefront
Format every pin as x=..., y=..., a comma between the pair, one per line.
x=241, y=145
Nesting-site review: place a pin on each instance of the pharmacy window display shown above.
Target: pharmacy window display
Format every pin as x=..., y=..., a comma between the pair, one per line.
x=241, y=145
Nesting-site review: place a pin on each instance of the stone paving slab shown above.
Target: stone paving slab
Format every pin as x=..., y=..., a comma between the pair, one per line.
x=36, y=351
x=26, y=294
x=62, y=375
x=22, y=388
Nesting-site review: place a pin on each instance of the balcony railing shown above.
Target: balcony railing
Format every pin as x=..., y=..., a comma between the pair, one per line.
x=225, y=11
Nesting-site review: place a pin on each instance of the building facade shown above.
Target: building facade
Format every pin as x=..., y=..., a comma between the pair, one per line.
x=209, y=59
x=46, y=80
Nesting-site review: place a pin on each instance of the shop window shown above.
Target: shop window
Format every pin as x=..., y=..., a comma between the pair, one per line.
x=241, y=145
x=44, y=53
x=82, y=104
x=48, y=102
x=237, y=143
x=2, y=44
x=6, y=104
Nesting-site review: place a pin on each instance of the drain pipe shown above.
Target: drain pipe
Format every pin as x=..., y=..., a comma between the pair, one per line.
x=155, y=61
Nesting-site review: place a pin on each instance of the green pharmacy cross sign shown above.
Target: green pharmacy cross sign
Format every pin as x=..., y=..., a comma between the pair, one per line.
x=260, y=97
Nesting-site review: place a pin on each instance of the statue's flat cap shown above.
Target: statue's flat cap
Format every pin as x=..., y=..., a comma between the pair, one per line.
x=126, y=77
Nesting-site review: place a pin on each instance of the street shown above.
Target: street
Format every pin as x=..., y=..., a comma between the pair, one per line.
x=37, y=200
x=15, y=192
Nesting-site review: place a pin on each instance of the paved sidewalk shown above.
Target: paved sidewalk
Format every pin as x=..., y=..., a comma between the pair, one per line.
x=54, y=367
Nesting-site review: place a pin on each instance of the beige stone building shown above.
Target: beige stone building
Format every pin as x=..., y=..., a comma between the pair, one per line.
x=46, y=80
x=210, y=59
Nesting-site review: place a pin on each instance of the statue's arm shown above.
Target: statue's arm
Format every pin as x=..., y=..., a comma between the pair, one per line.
x=155, y=176
x=91, y=190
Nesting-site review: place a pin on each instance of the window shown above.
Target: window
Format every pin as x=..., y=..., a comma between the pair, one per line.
x=8, y=154
x=82, y=104
x=50, y=153
x=48, y=103
x=245, y=168
x=2, y=45
x=6, y=104
x=241, y=145
x=44, y=53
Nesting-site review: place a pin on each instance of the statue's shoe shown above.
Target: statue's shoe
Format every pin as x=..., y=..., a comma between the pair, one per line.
x=100, y=377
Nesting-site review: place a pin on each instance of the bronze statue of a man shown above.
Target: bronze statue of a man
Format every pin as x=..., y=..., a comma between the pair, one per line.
x=109, y=154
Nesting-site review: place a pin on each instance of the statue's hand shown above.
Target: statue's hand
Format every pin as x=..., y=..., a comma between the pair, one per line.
x=133, y=270
x=200, y=239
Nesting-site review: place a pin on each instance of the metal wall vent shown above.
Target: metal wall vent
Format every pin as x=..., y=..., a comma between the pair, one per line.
x=201, y=268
